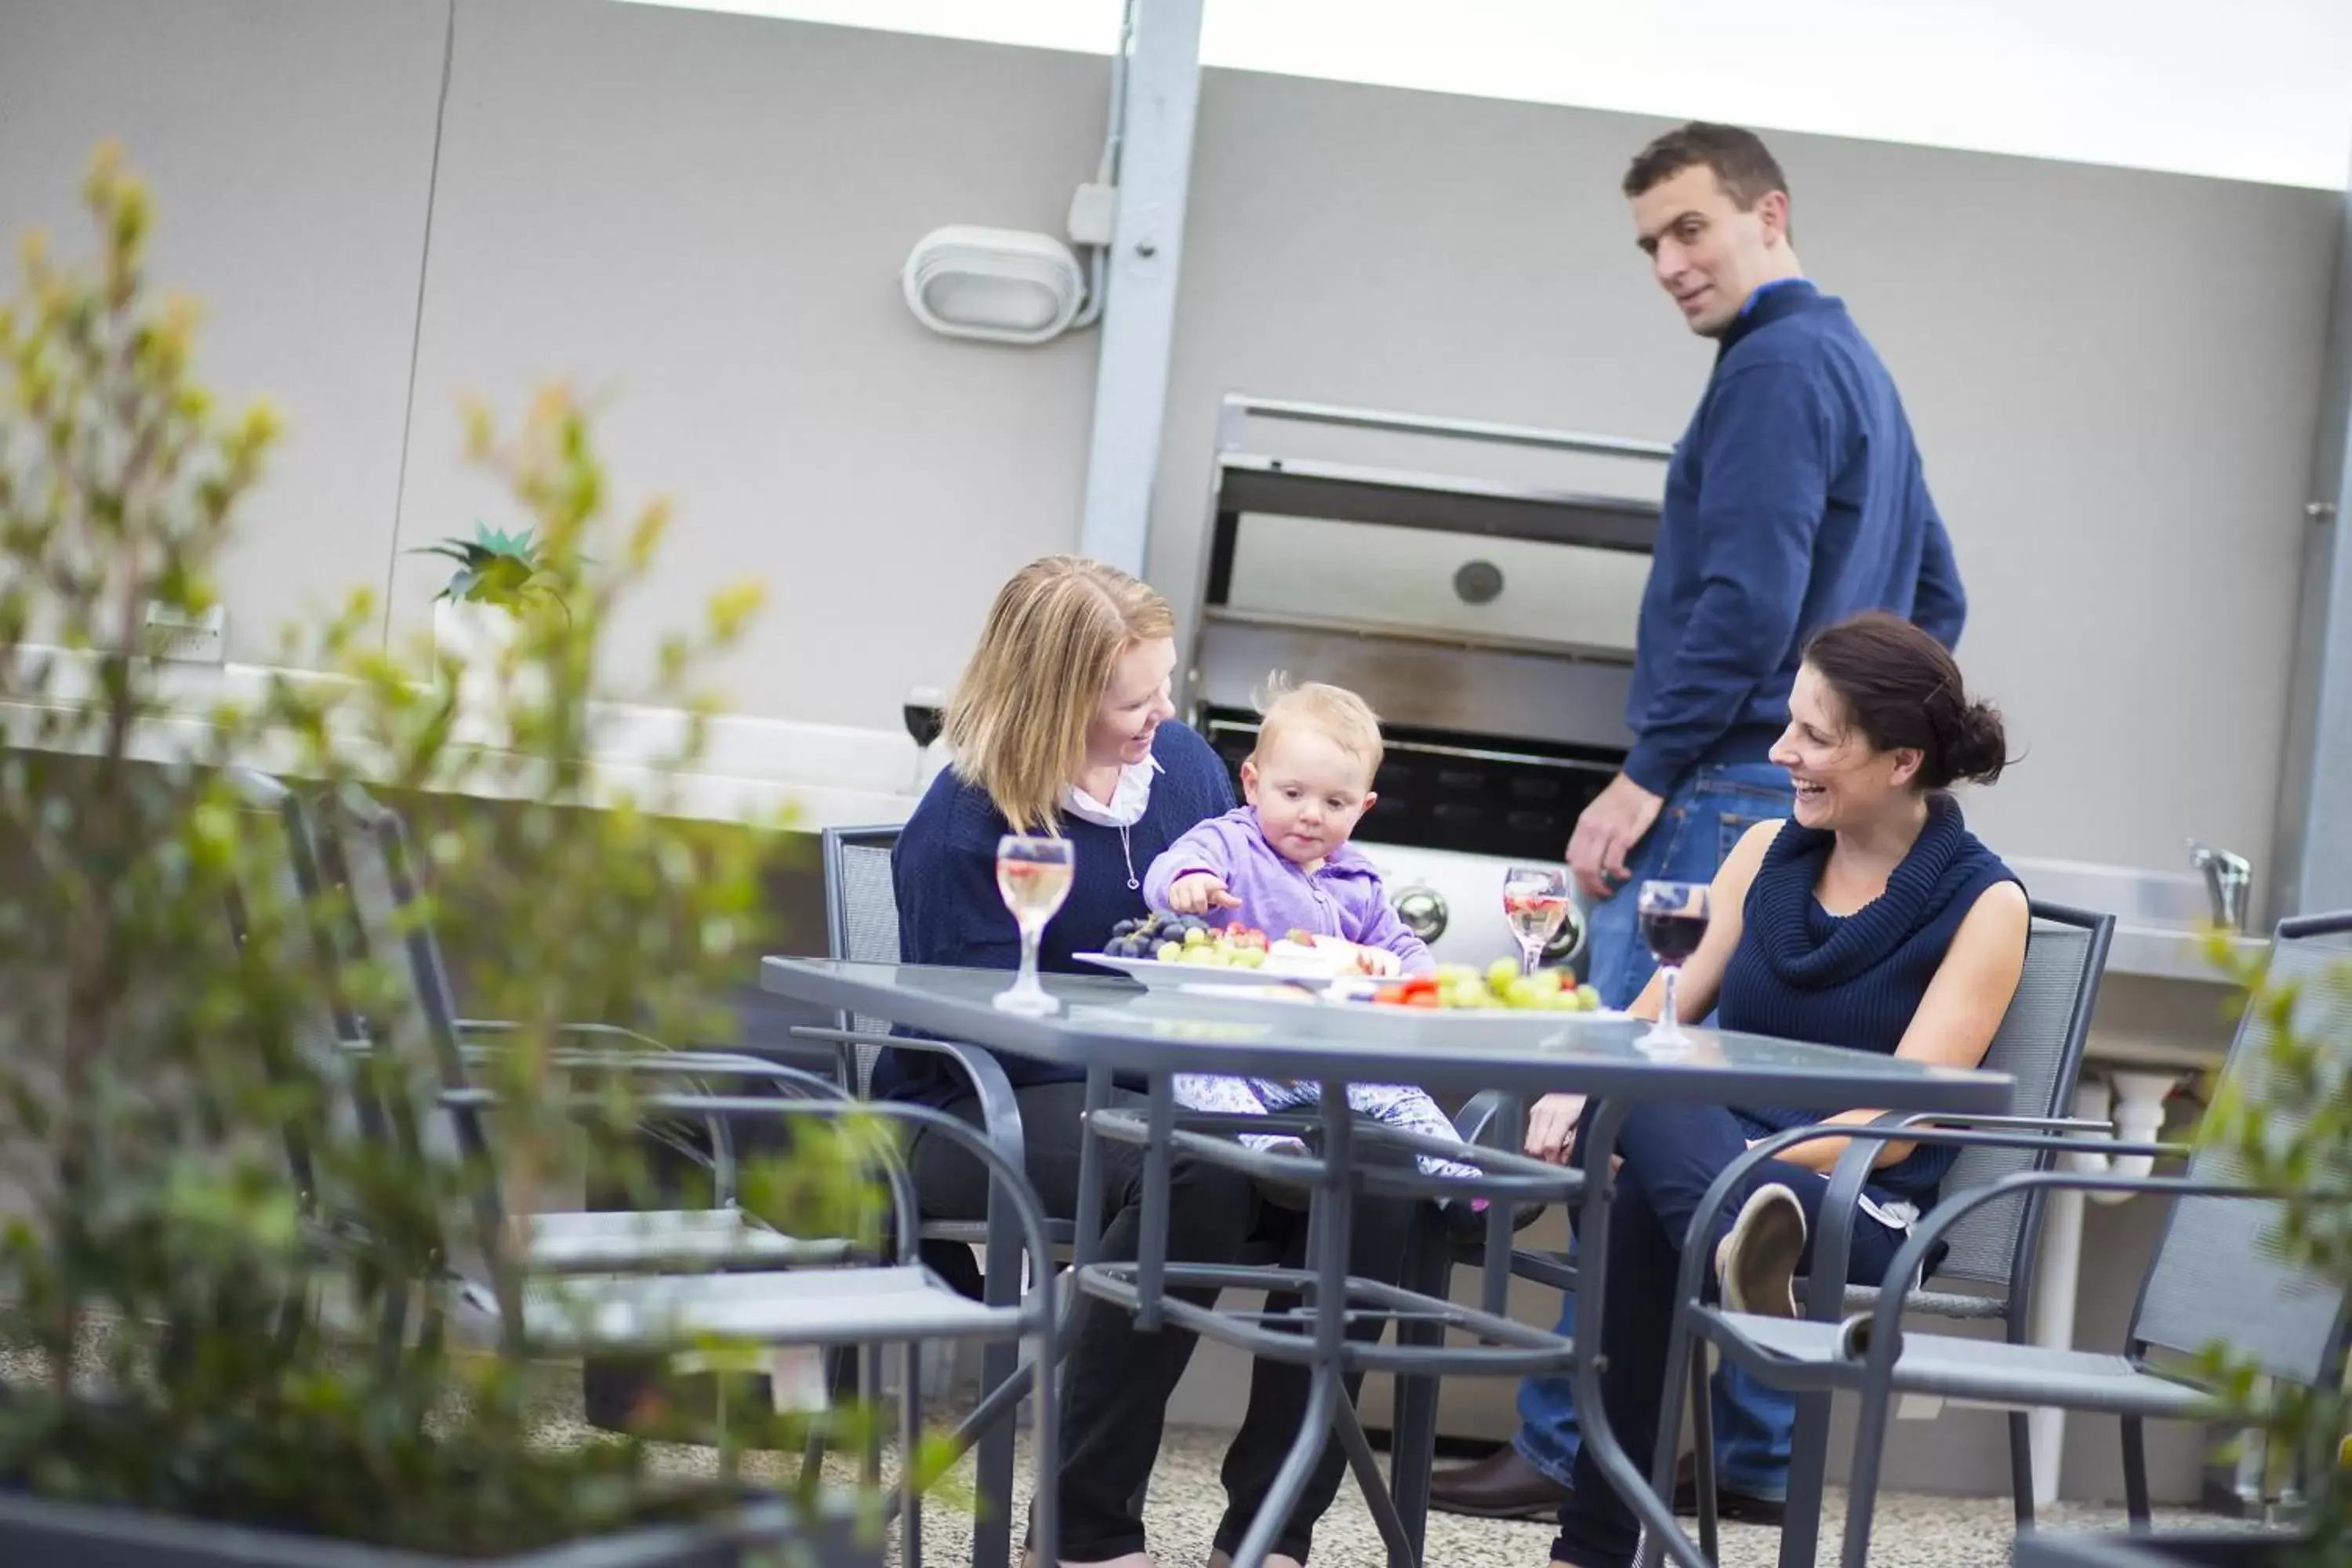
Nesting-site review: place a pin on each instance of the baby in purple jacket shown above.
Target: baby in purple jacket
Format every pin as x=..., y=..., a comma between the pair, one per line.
x=1284, y=864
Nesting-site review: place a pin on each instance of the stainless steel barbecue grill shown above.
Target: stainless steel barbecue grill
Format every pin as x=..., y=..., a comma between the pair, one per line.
x=1481, y=593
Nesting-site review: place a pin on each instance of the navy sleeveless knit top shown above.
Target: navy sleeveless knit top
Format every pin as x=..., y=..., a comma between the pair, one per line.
x=1803, y=973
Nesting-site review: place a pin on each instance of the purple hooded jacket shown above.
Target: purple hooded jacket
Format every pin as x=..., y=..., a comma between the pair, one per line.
x=1345, y=898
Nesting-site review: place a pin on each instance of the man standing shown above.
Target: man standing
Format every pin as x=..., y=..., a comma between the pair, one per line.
x=1795, y=499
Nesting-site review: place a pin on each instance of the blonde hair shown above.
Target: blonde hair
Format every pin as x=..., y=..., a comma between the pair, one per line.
x=1335, y=713
x=1018, y=719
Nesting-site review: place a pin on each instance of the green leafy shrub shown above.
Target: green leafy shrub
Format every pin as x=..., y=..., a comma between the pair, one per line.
x=2283, y=1123
x=185, y=1297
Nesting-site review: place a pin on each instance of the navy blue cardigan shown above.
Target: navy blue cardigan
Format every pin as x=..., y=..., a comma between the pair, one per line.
x=944, y=870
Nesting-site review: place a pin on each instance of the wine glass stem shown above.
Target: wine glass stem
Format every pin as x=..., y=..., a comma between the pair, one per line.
x=1666, y=1020
x=1028, y=982
x=1530, y=956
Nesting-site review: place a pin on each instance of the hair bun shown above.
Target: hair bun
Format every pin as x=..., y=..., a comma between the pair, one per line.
x=1976, y=748
x=1902, y=690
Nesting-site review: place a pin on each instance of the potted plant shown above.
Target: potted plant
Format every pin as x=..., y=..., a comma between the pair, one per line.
x=201, y=1374
x=2308, y=1153
x=502, y=579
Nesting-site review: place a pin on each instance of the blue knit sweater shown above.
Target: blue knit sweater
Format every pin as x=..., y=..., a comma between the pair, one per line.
x=1802, y=973
x=1795, y=500
x=950, y=912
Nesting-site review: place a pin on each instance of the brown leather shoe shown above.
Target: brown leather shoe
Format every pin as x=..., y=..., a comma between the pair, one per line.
x=1503, y=1485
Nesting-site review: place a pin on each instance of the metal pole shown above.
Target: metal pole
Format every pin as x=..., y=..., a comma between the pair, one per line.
x=1139, y=322
x=2315, y=816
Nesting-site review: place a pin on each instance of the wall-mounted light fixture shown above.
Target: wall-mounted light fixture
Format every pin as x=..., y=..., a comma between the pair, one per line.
x=1001, y=285
x=1009, y=286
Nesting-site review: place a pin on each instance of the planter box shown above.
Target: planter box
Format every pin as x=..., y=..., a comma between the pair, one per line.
x=39, y=1531
x=2177, y=1549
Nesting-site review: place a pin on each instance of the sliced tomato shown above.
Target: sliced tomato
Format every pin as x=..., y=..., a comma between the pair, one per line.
x=1421, y=999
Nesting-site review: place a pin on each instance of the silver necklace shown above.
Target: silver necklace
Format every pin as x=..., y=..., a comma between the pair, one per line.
x=1127, y=851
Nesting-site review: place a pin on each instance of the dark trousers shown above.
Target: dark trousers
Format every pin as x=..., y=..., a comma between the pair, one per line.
x=1115, y=1380
x=1673, y=1153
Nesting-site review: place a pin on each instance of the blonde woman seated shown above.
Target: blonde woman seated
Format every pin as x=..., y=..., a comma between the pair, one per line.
x=1062, y=724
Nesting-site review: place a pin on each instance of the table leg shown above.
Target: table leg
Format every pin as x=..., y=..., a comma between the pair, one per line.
x=1413, y=1428
x=1327, y=1254
x=1495, y=1274
x=1151, y=1248
x=1045, y=1517
x=1656, y=1515
x=1087, y=1224
x=1809, y=1449
x=991, y=1545
x=1401, y=1548
x=910, y=1434
x=993, y=1424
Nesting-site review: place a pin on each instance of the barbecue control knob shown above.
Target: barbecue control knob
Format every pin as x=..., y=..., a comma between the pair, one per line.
x=1478, y=582
x=1423, y=911
x=1571, y=940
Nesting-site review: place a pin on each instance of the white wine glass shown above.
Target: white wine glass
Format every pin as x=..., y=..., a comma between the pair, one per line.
x=1535, y=901
x=1674, y=918
x=1033, y=877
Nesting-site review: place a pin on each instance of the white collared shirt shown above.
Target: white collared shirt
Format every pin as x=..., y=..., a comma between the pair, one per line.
x=1128, y=801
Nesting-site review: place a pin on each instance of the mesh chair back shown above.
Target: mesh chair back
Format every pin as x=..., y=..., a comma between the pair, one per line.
x=2215, y=1277
x=288, y=897
x=861, y=919
x=2040, y=1044
x=417, y=1045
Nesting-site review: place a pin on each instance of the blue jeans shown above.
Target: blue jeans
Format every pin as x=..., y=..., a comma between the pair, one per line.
x=1703, y=818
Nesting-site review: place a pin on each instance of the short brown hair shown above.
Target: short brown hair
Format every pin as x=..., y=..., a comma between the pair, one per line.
x=1740, y=159
x=1018, y=719
x=1337, y=714
x=1902, y=690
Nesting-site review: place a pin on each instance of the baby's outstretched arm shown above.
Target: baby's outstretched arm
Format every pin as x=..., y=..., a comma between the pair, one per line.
x=1191, y=875
x=1201, y=893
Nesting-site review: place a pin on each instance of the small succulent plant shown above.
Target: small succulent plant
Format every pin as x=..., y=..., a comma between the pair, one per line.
x=495, y=567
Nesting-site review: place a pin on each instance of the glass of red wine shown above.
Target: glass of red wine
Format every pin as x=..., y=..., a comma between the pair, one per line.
x=925, y=712
x=1673, y=922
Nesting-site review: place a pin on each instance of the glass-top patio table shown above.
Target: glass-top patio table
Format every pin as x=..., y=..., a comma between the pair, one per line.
x=1115, y=1031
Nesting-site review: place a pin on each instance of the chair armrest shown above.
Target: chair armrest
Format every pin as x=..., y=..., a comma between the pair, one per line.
x=662, y=1062
x=1885, y=1317
x=1833, y=1243
x=1005, y=1178
x=1996, y=1124
x=507, y=1026
x=1894, y=1127
x=1481, y=1116
x=720, y=1109
x=701, y=1064
x=1000, y=1112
